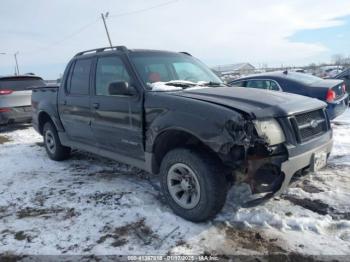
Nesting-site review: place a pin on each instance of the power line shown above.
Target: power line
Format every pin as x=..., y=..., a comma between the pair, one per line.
x=83, y=28
x=67, y=37
x=143, y=10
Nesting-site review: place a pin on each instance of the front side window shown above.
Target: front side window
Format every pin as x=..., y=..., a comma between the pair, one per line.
x=109, y=69
x=79, y=84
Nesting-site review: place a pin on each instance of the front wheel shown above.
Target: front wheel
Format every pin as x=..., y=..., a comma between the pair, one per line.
x=53, y=146
x=193, y=184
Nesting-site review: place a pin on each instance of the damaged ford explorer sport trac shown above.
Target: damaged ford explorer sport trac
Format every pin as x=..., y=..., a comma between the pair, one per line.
x=169, y=114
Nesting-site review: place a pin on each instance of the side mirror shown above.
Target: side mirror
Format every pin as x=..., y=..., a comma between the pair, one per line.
x=120, y=88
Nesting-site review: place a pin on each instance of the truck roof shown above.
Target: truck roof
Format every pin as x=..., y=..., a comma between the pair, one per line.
x=121, y=49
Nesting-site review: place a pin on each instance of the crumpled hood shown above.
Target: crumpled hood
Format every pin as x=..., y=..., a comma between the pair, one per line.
x=255, y=102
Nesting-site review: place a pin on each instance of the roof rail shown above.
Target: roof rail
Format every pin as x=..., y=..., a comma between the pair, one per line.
x=102, y=49
x=186, y=53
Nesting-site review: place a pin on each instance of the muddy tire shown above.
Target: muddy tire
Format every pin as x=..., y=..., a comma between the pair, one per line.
x=193, y=184
x=53, y=145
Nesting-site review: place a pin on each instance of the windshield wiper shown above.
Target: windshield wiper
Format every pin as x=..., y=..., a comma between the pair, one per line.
x=179, y=83
x=211, y=83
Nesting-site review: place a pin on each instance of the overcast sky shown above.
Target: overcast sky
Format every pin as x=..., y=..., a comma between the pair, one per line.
x=274, y=32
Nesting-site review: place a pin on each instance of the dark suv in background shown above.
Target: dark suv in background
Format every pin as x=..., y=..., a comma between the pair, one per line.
x=15, y=98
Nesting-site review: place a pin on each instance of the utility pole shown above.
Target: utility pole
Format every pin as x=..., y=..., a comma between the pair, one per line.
x=104, y=17
x=17, y=69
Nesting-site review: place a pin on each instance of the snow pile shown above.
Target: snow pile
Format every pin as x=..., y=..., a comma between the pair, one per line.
x=343, y=119
x=163, y=86
x=91, y=205
x=176, y=85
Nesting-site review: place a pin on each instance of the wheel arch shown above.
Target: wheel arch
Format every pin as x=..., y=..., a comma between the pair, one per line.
x=43, y=118
x=173, y=138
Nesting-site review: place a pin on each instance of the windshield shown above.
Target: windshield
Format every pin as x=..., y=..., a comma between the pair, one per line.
x=173, y=71
x=303, y=78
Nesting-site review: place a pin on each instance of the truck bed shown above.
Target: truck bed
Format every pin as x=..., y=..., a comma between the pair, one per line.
x=44, y=98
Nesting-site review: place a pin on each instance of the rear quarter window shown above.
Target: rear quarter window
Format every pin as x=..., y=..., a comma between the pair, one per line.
x=80, y=77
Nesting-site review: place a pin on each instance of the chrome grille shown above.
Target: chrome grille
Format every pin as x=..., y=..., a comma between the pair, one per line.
x=311, y=124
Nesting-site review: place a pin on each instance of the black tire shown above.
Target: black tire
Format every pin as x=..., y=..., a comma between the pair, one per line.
x=210, y=177
x=53, y=145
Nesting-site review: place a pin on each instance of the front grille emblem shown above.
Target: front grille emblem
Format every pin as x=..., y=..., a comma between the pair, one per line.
x=313, y=123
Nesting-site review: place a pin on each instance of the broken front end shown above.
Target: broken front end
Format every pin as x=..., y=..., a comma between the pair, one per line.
x=271, y=151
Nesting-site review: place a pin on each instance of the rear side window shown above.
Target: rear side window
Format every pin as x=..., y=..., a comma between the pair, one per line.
x=238, y=84
x=263, y=84
x=20, y=84
x=79, y=83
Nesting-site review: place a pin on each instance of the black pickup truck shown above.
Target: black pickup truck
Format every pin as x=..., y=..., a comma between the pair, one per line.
x=168, y=114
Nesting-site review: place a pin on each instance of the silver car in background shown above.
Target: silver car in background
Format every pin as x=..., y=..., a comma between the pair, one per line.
x=15, y=98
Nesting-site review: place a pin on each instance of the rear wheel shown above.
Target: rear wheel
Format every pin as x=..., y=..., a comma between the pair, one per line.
x=193, y=184
x=53, y=146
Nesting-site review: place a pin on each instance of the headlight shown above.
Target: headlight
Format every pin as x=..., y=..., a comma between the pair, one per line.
x=271, y=130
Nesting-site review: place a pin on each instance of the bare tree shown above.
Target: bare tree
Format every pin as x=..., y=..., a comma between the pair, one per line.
x=338, y=59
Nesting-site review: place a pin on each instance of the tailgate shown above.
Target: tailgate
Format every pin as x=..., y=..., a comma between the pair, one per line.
x=16, y=99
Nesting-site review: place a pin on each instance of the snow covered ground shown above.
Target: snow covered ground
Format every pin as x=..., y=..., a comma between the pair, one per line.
x=90, y=205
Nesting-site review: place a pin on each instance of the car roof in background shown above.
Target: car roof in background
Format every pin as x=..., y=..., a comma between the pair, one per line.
x=345, y=72
x=293, y=76
x=21, y=77
x=270, y=74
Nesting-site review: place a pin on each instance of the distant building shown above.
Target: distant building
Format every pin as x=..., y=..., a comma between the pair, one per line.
x=234, y=69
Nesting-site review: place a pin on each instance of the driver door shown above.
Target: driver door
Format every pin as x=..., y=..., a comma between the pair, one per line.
x=117, y=122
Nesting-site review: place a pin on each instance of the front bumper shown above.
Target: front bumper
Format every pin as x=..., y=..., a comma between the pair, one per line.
x=286, y=166
x=299, y=162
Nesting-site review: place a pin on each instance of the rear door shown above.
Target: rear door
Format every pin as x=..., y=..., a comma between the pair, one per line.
x=117, y=121
x=74, y=108
x=14, y=91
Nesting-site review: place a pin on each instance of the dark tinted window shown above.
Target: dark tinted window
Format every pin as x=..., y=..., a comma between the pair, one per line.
x=20, y=83
x=79, y=84
x=274, y=86
x=263, y=84
x=109, y=69
x=238, y=84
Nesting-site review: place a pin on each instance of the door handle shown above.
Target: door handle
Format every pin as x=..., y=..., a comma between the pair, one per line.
x=96, y=105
